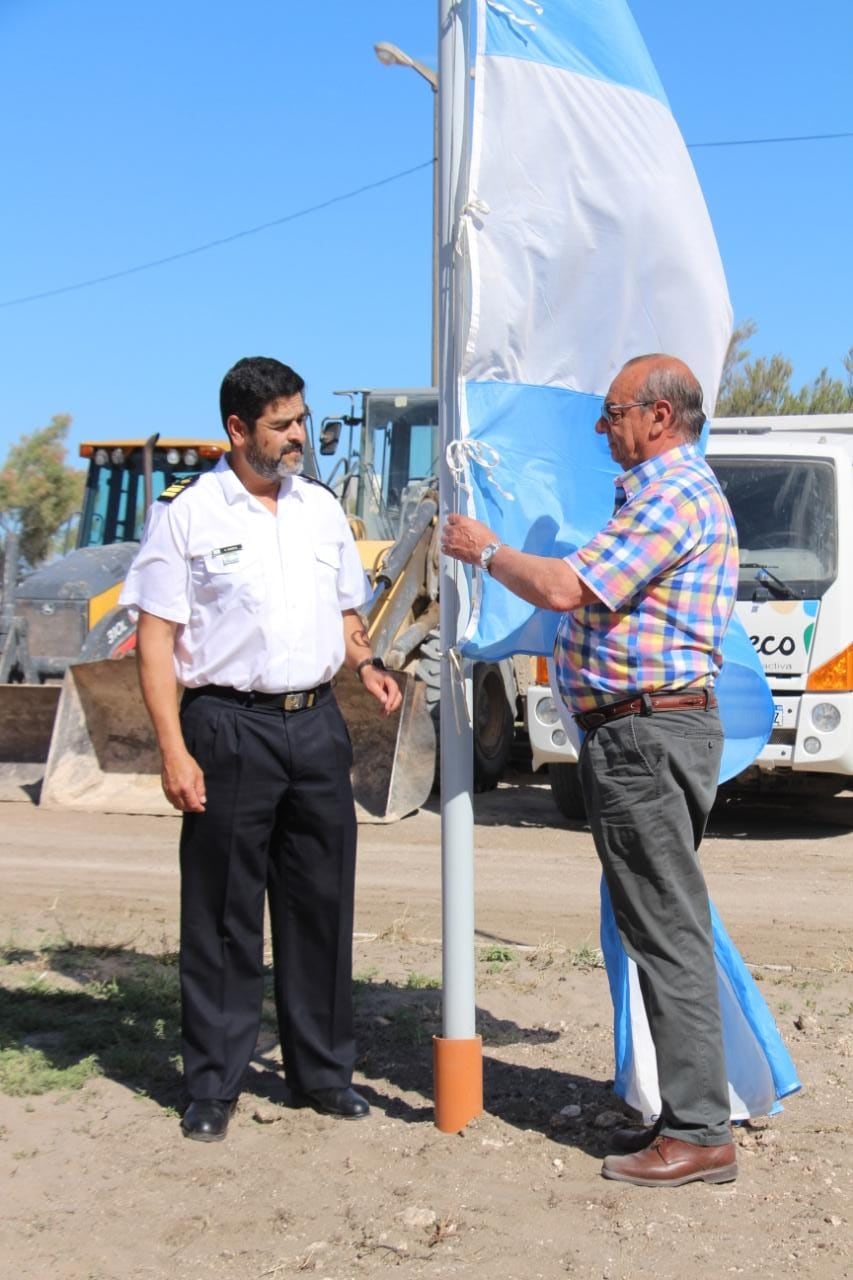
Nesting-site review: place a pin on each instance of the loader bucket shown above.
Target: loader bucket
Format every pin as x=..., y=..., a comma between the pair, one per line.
x=393, y=756
x=104, y=758
x=27, y=713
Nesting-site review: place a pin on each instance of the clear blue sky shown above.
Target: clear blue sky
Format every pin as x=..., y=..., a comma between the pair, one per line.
x=131, y=131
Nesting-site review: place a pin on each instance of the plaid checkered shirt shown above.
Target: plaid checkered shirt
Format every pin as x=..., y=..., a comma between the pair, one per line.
x=665, y=567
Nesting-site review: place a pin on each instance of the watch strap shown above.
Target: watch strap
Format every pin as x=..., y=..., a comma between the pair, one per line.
x=370, y=662
x=488, y=553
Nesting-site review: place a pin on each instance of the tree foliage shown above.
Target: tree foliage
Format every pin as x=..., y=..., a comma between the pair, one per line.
x=38, y=490
x=763, y=386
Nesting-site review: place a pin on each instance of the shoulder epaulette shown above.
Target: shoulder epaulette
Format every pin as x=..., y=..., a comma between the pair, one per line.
x=321, y=483
x=177, y=487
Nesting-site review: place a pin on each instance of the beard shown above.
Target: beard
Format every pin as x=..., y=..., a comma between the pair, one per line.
x=290, y=462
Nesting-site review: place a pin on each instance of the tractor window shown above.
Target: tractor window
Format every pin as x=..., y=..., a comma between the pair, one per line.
x=785, y=513
x=114, y=505
x=402, y=432
x=110, y=491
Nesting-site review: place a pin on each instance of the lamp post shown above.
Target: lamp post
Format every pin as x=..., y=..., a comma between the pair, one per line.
x=390, y=56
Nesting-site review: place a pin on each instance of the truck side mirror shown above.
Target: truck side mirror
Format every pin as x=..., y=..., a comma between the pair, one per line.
x=330, y=434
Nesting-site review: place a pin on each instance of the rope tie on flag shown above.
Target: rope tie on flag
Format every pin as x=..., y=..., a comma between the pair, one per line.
x=510, y=14
x=460, y=453
x=474, y=211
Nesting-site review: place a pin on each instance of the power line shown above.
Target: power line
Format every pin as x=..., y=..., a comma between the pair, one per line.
x=762, y=142
x=347, y=195
x=215, y=244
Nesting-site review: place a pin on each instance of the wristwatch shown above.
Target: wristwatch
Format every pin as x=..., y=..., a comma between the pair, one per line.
x=370, y=662
x=488, y=554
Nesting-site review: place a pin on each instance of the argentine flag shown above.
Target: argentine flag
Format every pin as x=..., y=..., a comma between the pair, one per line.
x=586, y=241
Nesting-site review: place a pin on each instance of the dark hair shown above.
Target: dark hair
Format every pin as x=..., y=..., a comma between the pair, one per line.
x=674, y=382
x=252, y=384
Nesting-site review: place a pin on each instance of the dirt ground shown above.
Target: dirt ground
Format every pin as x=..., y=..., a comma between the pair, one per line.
x=99, y=1185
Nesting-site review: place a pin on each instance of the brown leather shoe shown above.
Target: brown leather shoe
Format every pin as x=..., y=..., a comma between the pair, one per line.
x=668, y=1162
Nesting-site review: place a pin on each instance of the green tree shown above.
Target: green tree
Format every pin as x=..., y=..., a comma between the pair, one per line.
x=38, y=490
x=763, y=386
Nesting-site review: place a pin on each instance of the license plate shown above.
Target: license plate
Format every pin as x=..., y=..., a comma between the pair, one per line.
x=778, y=714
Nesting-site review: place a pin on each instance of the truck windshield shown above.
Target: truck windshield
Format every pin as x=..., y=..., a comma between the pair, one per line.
x=785, y=512
x=114, y=503
x=402, y=441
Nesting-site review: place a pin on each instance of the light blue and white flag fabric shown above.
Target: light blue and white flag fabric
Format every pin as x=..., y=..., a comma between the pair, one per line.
x=587, y=241
x=758, y=1065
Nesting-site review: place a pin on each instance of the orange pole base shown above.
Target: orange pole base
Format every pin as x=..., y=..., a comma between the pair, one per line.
x=457, y=1067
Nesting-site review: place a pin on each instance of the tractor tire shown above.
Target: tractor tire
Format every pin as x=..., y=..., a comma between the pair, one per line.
x=567, y=792
x=494, y=723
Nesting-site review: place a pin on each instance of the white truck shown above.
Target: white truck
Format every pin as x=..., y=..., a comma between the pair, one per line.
x=789, y=481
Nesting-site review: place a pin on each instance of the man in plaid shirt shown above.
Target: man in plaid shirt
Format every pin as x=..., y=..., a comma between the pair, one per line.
x=646, y=602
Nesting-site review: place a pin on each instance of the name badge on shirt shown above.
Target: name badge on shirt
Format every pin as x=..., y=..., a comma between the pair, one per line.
x=226, y=555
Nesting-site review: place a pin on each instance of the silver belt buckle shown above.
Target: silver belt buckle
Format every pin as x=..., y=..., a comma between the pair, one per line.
x=294, y=701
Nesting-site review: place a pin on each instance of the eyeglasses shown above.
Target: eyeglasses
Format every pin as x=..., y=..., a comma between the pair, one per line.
x=613, y=412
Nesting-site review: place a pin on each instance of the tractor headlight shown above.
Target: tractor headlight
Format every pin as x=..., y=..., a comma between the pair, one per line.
x=190, y=457
x=101, y=457
x=173, y=457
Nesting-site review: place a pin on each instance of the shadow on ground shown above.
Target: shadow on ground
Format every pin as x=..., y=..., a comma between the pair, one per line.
x=396, y=1027
x=524, y=799
x=68, y=1013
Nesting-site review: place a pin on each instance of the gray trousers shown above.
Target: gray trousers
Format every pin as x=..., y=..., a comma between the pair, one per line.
x=649, y=783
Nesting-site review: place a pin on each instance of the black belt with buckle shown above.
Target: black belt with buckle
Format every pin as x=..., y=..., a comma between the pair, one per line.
x=646, y=704
x=295, y=700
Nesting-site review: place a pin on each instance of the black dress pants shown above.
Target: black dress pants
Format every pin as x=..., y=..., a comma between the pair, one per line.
x=279, y=821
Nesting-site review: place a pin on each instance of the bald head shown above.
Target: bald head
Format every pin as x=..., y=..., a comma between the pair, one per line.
x=653, y=404
x=663, y=377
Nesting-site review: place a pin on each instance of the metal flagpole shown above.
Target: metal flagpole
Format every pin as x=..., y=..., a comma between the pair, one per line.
x=457, y=1053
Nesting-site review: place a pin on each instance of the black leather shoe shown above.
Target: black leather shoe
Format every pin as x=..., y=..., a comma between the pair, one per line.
x=206, y=1120
x=345, y=1103
x=627, y=1142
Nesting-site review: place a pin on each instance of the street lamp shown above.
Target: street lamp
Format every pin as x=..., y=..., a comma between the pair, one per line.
x=390, y=56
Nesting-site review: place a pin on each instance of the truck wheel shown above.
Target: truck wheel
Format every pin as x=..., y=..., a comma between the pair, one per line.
x=494, y=724
x=566, y=790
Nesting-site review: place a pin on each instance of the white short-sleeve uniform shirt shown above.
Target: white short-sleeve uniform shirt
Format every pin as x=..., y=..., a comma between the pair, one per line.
x=257, y=597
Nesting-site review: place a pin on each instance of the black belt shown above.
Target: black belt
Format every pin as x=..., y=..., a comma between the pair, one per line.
x=646, y=704
x=295, y=700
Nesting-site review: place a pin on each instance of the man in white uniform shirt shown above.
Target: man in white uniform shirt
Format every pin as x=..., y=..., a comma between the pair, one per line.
x=248, y=585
